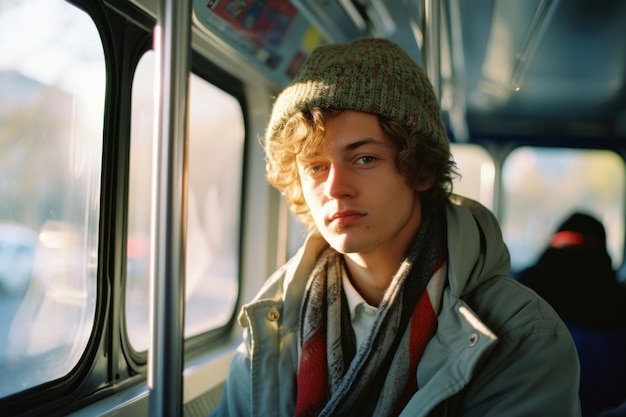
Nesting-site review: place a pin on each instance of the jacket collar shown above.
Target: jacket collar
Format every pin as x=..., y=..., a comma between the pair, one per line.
x=469, y=223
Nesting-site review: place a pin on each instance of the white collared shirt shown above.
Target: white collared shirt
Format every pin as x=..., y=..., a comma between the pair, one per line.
x=362, y=314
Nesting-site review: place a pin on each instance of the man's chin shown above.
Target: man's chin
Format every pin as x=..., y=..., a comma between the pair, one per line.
x=344, y=245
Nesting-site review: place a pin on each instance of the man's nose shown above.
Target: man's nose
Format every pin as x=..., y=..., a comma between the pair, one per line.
x=338, y=183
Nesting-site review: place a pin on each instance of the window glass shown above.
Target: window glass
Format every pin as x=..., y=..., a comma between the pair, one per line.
x=52, y=85
x=216, y=141
x=542, y=187
x=477, y=171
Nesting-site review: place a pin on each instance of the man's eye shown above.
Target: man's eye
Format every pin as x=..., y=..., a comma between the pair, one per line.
x=314, y=169
x=367, y=160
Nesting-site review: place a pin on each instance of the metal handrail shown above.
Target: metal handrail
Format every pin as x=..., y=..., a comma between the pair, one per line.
x=431, y=58
x=165, y=358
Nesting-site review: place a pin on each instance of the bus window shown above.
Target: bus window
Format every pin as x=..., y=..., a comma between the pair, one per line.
x=542, y=187
x=216, y=141
x=52, y=86
x=477, y=171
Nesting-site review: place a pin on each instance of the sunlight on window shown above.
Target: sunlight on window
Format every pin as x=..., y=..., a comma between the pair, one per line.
x=542, y=187
x=477, y=171
x=51, y=118
x=216, y=139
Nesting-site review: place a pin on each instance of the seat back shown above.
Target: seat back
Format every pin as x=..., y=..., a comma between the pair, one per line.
x=602, y=356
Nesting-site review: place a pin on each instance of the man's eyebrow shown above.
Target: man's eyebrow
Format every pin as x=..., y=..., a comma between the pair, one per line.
x=362, y=142
x=306, y=156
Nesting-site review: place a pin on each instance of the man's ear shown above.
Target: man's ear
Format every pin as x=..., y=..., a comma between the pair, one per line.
x=425, y=183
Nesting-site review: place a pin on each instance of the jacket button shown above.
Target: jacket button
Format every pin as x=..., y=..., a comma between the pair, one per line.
x=273, y=315
x=473, y=339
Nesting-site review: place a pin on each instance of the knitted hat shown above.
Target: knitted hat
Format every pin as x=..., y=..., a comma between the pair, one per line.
x=368, y=75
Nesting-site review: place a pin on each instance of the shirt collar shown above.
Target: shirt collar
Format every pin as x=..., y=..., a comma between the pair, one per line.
x=352, y=295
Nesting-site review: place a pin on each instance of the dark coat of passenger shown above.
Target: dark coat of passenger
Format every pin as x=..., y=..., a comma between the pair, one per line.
x=575, y=275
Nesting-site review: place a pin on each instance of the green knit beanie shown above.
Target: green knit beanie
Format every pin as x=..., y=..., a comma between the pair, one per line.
x=368, y=75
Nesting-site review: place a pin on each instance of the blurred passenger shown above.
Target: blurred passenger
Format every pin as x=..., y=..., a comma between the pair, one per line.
x=576, y=277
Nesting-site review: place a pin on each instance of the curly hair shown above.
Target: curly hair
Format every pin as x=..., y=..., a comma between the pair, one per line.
x=417, y=160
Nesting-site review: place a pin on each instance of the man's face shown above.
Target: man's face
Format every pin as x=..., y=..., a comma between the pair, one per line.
x=359, y=201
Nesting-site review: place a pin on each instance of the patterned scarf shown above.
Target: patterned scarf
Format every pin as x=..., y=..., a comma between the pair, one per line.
x=379, y=379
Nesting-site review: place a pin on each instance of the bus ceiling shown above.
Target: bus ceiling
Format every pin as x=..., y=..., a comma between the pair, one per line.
x=535, y=67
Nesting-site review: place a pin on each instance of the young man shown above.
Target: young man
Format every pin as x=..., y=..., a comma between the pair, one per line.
x=399, y=301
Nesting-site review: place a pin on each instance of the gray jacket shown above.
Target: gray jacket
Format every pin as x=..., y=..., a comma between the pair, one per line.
x=499, y=350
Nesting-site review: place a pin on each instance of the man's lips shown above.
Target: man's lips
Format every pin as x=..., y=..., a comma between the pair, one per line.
x=346, y=217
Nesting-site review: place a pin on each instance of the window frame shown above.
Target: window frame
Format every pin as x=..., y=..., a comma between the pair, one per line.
x=108, y=363
x=197, y=344
x=556, y=147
